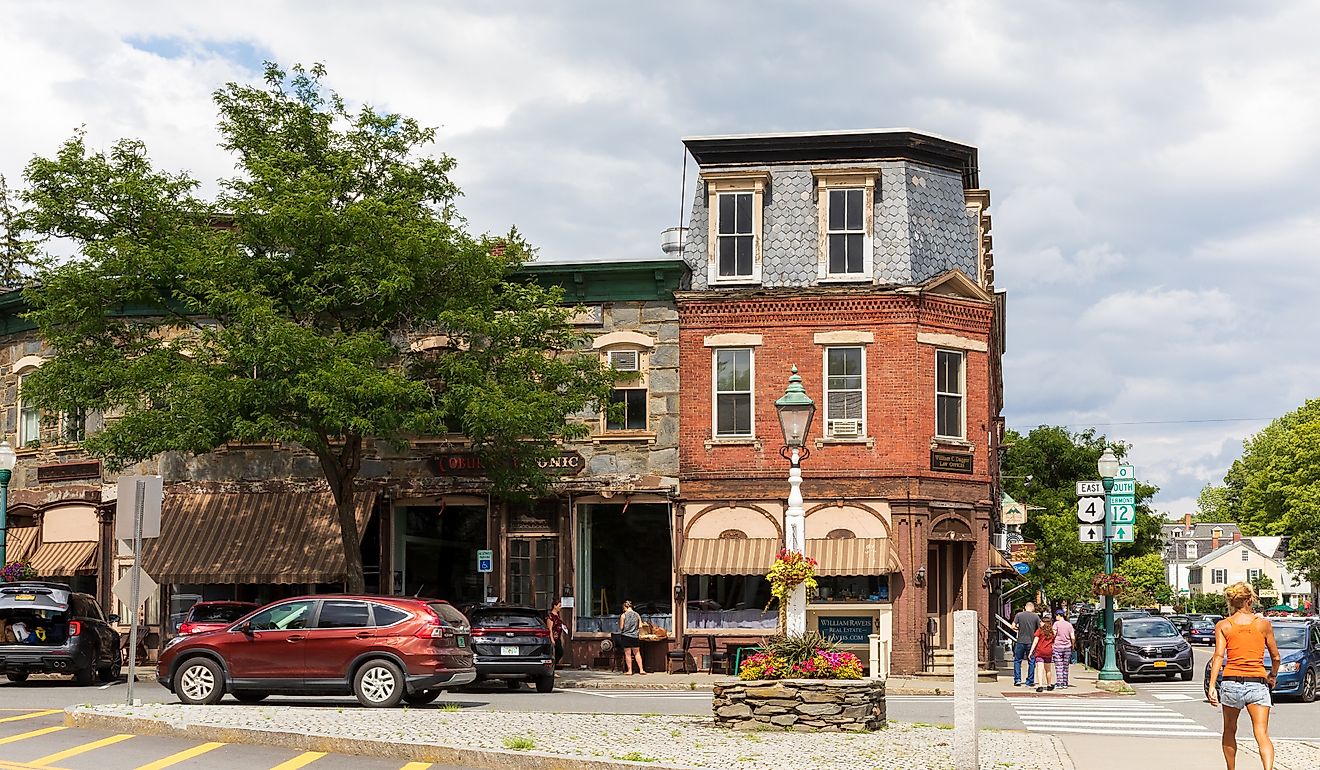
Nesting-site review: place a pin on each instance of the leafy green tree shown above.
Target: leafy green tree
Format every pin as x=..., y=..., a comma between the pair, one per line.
x=1262, y=582
x=1208, y=604
x=1055, y=459
x=284, y=309
x=1148, y=579
x=20, y=257
x=1212, y=505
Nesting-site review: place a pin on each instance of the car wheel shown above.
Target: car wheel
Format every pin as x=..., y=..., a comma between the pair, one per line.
x=84, y=677
x=111, y=672
x=1309, y=687
x=546, y=683
x=199, y=682
x=1186, y=676
x=513, y=684
x=421, y=698
x=250, y=696
x=17, y=677
x=379, y=684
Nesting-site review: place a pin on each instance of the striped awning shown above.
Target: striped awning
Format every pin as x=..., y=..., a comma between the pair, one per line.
x=852, y=556
x=66, y=559
x=18, y=542
x=724, y=556
x=251, y=537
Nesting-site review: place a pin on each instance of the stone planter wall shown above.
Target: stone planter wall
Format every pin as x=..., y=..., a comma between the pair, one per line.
x=801, y=704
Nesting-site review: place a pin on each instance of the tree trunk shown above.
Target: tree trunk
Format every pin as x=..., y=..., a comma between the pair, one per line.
x=341, y=471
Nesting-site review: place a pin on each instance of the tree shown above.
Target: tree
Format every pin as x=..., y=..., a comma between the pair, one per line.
x=1148, y=579
x=20, y=258
x=1261, y=582
x=284, y=309
x=1208, y=604
x=1056, y=459
x=1212, y=505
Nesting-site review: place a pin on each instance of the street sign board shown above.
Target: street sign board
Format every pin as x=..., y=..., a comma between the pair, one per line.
x=151, y=492
x=1090, y=488
x=123, y=588
x=1124, y=533
x=1021, y=567
x=1126, y=471
x=1124, y=487
x=1091, y=510
x=1122, y=499
x=485, y=561
x=1122, y=514
x=1091, y=533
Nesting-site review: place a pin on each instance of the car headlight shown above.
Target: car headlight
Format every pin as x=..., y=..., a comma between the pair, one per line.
x=1291, y=667
x=173, y=641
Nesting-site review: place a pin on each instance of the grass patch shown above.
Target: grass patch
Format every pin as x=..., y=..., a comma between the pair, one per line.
x=753, y=737
x=675, y=733
x=634, y=756
x=450, y=707
x=519, y=743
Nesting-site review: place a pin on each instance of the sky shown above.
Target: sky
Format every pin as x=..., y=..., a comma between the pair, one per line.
x=1151, y=165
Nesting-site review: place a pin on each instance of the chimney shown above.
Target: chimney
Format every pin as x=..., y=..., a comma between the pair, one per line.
x=1237, y=537
x=1187, y=519
x=1214, y=541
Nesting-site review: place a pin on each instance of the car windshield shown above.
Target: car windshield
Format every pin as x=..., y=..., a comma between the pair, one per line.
x=1290, y=636
x=1147, y=629
x=448, y=615
x=507, y=619
x=1202, y=625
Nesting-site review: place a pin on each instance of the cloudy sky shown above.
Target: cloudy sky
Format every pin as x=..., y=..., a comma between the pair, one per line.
x=1152, y=165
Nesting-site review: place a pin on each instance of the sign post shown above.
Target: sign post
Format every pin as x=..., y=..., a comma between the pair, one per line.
x=485, y=565
x=138, y=511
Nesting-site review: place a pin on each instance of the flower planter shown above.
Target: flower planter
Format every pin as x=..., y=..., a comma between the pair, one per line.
x=805, y=705
x=1108, y=590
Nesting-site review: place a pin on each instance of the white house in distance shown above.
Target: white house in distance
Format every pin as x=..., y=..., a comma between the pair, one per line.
x=1244, y=560
x=1185, y=543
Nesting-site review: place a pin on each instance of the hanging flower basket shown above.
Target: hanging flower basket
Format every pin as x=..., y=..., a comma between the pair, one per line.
x=15, y=571
x=790, y=570
x=1109, y=585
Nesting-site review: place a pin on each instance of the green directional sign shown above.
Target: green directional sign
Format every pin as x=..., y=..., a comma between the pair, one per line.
x=1124, y=487
x=1126, y=472
x=1123, y=533
x=1122, y=499
x=1122, y=513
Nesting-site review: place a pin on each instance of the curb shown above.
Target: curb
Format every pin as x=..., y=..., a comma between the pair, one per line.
x=489, y=759
x=1065, y=759
x=561, y=684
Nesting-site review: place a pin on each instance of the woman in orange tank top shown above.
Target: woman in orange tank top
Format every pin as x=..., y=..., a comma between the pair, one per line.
x=1238, y=678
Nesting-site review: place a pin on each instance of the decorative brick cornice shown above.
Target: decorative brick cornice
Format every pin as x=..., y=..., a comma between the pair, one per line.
x=699, y=310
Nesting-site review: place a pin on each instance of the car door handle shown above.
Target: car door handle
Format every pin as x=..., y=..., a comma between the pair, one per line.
x=364, y=635
x=296, y=638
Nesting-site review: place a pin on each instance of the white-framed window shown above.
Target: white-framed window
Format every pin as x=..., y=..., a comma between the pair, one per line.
x=627, y=353
x=733, y=379
x=1246, y=555
x=845, y=232
x=1216, y=532
x=1177, y=533
x=950, y=390
x=1252, y=574
x=1192, y=550
x=29, y=418
x=845, y=392
x=1218, y=576
x=733, y=251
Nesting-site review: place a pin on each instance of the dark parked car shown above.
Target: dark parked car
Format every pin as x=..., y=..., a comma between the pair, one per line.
x=381, y=649
x=1151, y=646
x=1202, y=631
x=1299, y=647
x=513, y=644
x=213, y=616
x=1090, y=630
x=63, y=633
x=1180, y=622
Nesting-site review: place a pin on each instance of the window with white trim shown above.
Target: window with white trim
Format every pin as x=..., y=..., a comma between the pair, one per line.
x=733, y=392
x=845, y=399
x=735, y=201
x=736, y=239
x=1252, y=574
x=949, y=393
x=29, y=418
x=1218, y=576
x=845, y=234
x=1246, y=555
x=629, y=397
x=1192, y=550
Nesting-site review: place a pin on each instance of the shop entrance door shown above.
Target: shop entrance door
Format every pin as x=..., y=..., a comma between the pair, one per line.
x=946, y=589
x=533, y=575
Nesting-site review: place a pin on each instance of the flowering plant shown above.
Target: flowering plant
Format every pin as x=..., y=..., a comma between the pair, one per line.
x=1109, y=585
x=801, y=656
x=15, y=571
x=790, y=570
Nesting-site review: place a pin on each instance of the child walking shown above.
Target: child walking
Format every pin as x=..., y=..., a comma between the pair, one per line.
x=1042, y=652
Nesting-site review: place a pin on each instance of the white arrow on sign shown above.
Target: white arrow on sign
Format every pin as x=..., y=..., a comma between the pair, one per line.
x=123, y=587
x=1092, y=533
x=1091, y=510
x=1090, y=488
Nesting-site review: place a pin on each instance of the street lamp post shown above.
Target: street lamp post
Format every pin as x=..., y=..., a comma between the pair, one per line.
x=1108, y=467
x=7, y=461
x=796, y=410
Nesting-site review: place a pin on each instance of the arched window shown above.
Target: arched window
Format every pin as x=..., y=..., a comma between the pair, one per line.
x=733, y=534
x=840, y=534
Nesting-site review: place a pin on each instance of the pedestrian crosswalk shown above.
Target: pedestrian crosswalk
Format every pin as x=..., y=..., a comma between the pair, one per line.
x=1106, y=716
x=1171, y=691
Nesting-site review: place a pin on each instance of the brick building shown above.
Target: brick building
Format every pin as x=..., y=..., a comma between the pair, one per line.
x=862, y=258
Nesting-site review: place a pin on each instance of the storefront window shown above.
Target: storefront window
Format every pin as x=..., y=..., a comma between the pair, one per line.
x=729, y=601
x=624, y=553
x=852, y=588
x=439, y=552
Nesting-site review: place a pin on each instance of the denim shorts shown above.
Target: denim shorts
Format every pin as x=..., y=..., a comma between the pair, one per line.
x=1242, y=694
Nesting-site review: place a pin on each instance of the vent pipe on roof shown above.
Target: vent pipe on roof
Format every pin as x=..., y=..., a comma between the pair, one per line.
x=672, y=239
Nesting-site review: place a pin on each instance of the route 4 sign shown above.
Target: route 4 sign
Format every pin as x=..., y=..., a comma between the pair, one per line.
x=1091, y=510
x=1091, y=533
x=1122, y=513
x=1090, y=488
x=1124, y=533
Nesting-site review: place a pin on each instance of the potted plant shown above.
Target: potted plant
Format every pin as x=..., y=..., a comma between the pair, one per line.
x=790, y=570
x=15, y=571
x=1109, y=585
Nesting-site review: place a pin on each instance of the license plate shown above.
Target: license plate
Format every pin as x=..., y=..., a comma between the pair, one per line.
x=509, y=649
x=25, y=598
x=462, y=641
x=1161, y=663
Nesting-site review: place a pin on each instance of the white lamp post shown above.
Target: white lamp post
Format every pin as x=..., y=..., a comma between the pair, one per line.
x=796, y=410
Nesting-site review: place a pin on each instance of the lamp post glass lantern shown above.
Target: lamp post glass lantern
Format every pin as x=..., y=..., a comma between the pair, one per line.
x=1107, y=465
x=8, y=459
x=796, y=410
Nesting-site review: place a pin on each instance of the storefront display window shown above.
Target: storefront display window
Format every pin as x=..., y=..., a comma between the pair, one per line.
x=852, y=588
x=729, y=601
x=439, y=551
x=624, y=553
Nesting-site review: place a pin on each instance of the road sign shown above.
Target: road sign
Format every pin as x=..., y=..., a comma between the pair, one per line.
x=123, y=589
x=1091, y=510
x=1124, y=487
x=1124, y=533
x=1122, y=499
x=485, y=561
x=1126, y=471
x=147, y=490
x=1091, y=533
x=1090, y=488
x=1122, y=514
x=1021, y=567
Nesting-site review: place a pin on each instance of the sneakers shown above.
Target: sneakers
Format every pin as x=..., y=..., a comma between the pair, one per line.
x=1050, y=688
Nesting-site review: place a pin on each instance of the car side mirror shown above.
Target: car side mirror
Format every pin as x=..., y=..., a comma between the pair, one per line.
x=246, y=628
x=112, y=619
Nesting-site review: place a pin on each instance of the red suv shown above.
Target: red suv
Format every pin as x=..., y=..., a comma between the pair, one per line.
x=213, y=616
x=382, y=649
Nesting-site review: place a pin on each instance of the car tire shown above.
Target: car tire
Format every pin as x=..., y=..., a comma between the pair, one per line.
x=84, y=677
x=379, y=684
x=250, y=696
x=513, y=684
x=1309, y=686
x=17, y=677
x=110, y=673
x=546, y=683
x=1186, y=676
x=422, y=697
x=199, y=681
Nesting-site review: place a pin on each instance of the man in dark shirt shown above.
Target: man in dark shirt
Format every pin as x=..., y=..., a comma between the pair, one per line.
x=1025, y=624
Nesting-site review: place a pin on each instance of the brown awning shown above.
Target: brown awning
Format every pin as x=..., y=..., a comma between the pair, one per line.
x=722, y=556
x=998, y=563
x=18, y=542
x=64, y=559
x=251, y=537
x=852, y=556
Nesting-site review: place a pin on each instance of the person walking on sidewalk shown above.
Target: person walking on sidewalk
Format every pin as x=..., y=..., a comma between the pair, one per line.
x=630, y=633
x=1241, y=640
x=1064, y=636
x=1025, y=624
x=554, y=623
x=1042, y=652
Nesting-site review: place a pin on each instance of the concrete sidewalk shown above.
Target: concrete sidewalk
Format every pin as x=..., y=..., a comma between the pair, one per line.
x=1101, y=752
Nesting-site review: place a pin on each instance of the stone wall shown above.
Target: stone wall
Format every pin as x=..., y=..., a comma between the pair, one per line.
x=805, y=705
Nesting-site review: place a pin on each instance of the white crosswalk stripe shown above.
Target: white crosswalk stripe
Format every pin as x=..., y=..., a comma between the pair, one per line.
x=1105, y=717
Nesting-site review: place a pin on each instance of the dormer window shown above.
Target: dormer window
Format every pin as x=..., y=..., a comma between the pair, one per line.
x=845, y=199
x=1192, y=550
x=735, y=201
x=734, y=249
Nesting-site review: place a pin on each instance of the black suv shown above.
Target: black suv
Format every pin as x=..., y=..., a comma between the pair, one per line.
x=1090, y=630
x=513, y=644
x=62, y=633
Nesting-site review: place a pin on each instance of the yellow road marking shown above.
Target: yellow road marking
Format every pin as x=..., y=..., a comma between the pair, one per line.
x=34, y=714
x=302, y=760
x=33, y=734
x=83, y=749
x=416, y=766
x=174, y=759
x=6, y=765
